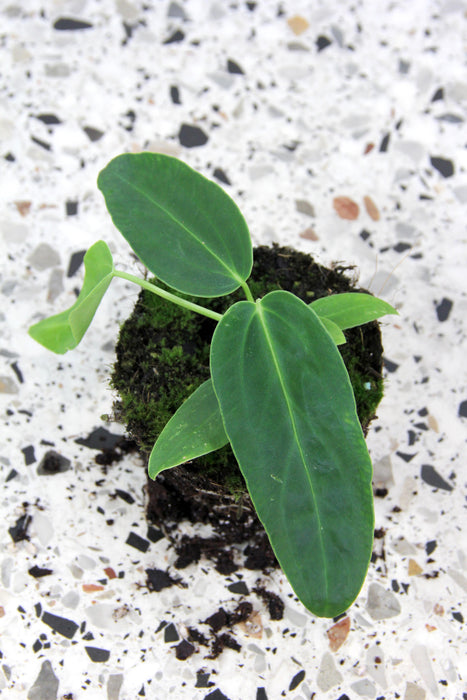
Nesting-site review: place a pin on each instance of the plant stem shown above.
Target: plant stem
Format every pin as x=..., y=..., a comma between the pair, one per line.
x=247, y=291
x=168, y=296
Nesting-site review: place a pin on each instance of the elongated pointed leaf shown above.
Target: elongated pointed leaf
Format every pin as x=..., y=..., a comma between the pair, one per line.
x=63, y=331
x=195, y=429
x=351, y=308
x=289, y=413
x=183, y=227
x=333, y=330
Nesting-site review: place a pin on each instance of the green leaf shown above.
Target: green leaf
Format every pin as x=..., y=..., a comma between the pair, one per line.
x=289, y=412
x=333, y=330
x=195, y=429
x=351, y=308
x=183, y=227
x=64, y=331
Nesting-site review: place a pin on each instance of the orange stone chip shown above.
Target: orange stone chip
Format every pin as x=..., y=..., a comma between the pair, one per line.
x=298, y=24
x=92, y=587
x=414, y=568
x=346, y=208
x=372, y=209
x=23, y=207
x=110, y=572
x=309, y=235
x=338, y=633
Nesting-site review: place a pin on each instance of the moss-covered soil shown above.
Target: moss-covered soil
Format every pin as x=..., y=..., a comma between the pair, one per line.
x=163, y=355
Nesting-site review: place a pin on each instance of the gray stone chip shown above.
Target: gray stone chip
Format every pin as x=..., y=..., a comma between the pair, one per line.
x=46, y=684
x=381, y=603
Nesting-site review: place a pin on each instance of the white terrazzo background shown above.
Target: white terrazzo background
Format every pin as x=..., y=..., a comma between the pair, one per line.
x=361, y=116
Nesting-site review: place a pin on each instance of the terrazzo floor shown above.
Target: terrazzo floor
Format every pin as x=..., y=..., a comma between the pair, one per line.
x=338, y=128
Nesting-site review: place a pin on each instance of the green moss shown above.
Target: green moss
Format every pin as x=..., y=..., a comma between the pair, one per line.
x=163, y=355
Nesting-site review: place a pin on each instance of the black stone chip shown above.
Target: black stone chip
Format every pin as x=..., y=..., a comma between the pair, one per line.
x=239, y=587
x=402, y=247
x=175, y=95
x=431, y=477
x=443, y=309
x=137, y=542
x=233, y=67
x=184, y=650
x=49, y=119
x=19, y=531
x=11, y=475
x=296, y=680
x=17, y=371
x=192, y=136
x=202, y=680
x=261, y=694
x=170, y=633
x=75, y=263
x=175, y=38
x=37, y=572
x=157, y=579
x=71, y=208
x=53, y=463
x=124, y=495
x=463, y=409
x=383, y=147
x=29, y=456
x=220, y=175
x=67, y=628
x=69, y=24
x=93, y=134
x=389, y=365
x=43, y=144
x=216, y=695
x=439, y=95
x=100, y=439
x=98, y=655
x=458, y=616
x=405, y=456
x=430, y=547
x=154, y=534
x=322, y=42
x=443, y=165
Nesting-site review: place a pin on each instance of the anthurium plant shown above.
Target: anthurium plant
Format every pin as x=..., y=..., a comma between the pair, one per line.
x=279, y=391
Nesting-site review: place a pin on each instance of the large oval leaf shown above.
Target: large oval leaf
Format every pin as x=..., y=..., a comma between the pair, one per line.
x=289, y=413
x=63, y=331
x=183, y=227
x=195, y=429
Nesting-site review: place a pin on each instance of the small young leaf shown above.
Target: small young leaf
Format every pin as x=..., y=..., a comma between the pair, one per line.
x=183, y=227
x=351, y=308
x=64, y=331
x=333, y=330
x=289, y=412
x=195, y=429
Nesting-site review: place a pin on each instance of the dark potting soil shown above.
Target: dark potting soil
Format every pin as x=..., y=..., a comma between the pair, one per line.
x=163, y=356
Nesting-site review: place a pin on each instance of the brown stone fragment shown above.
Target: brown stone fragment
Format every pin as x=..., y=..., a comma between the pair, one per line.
x=414, y=568
x=2, y=611
x=309, y=235
x=92, y=587
x=438, y=609
x=23, y=207
x=298, y=24
x=368, y=148
x=371, y=208
x=110, y=573
x=338, y=633
x=346, y=208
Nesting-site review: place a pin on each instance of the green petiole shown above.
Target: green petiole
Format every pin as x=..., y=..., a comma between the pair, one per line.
x=168, y=296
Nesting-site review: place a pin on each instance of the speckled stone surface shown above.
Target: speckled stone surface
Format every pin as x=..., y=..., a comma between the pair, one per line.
x=339, y=129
